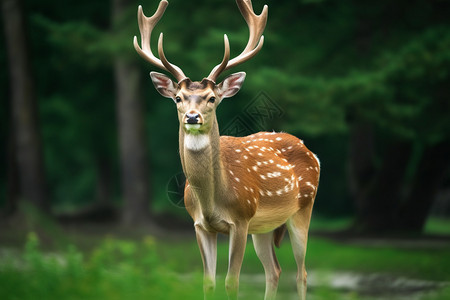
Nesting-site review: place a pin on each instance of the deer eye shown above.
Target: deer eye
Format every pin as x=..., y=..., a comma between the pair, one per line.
x=178, y=99
x=212, y=99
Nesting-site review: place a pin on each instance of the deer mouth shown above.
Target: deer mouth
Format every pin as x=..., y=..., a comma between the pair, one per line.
x=192, y=127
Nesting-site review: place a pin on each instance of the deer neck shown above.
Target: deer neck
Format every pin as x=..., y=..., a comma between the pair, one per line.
x=202, y=165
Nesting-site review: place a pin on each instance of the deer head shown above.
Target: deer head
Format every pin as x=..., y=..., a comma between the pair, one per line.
x=197, y=100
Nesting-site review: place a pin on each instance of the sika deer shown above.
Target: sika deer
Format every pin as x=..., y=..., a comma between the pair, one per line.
x=259, y=184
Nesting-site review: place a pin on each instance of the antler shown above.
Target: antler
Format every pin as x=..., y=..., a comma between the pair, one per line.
x=146, y=25
x=256, y=25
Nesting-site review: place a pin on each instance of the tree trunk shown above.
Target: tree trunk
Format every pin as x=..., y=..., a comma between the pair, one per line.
x=377, y=208
x=104, y=183
x=12, y=185
x=133, y=151
x=361, y=162
x=28, y=145
x=430, y=173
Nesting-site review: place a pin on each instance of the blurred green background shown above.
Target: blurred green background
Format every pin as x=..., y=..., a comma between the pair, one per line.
x=86, y=139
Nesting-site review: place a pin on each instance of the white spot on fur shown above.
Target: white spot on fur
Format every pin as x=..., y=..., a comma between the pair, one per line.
x=245, y=156
x=278, y=139
x=274, y=174
x=196, y=142
x=310, y=185
x=237, y=179
x=269, y=193
x=255, y=168
x=238, y=150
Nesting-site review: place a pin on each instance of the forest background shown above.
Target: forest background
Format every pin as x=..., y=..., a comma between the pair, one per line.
x=364, y=83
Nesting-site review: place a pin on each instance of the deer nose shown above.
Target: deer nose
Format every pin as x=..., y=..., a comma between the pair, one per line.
x=192, y=118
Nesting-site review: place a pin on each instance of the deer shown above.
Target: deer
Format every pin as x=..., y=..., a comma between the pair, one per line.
x=262, y=184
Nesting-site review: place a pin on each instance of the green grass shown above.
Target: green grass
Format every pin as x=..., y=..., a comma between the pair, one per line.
x=320, y=223
x=116, y=269
x=437, y=226
x=431, y=264
x=147, y=268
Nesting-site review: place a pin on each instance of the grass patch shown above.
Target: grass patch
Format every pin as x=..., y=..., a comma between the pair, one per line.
x=437, y=226
x=150, y=268
x=423, y=264
x=320, y=223
x=116, y=269
x=325, y=255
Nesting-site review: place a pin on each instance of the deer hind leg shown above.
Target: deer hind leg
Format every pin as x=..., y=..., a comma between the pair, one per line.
x=263, y=244
x=207, y=242
x=298, y=226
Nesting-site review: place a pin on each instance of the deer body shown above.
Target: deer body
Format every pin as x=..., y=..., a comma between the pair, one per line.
x=255, y=179
x=260, y=184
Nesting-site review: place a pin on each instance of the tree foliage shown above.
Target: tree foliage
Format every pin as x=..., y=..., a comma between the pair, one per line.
x=330, y=65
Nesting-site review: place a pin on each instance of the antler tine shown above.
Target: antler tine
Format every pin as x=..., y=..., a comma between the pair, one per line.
x=168, y=66
x=146, y=25
x=256, y=24
x=226, y=57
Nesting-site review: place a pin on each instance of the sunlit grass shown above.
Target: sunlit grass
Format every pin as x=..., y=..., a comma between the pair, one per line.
x=320, y=223
x=437, y=226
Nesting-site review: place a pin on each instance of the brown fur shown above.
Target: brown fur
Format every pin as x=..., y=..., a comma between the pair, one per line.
x=261, y=172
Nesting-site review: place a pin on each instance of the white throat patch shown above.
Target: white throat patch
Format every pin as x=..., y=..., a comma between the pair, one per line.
x=196, y=142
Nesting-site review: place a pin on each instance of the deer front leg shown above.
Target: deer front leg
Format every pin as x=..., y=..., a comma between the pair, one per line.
x=238, y=241
x=207, y=242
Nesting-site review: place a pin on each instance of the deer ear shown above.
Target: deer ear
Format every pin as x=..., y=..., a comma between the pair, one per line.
x=164, y=85
x=231, y=85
